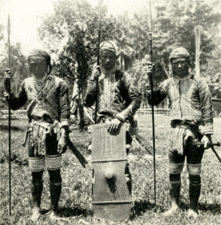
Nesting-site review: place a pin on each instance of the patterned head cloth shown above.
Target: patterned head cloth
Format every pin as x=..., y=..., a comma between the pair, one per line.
x=110, y=46
x=179, y=53
x=43, y=54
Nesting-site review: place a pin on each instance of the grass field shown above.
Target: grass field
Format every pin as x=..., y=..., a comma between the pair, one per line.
x=74, y=205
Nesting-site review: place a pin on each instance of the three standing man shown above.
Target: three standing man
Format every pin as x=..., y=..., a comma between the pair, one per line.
x=118, y=100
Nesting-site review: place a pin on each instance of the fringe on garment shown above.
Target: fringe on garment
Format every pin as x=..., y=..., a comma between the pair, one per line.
x=179, y=127
x=178, y=138
x=38, y=131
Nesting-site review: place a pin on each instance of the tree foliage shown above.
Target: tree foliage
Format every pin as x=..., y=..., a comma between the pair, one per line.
x=18, y=66
x=71, y=32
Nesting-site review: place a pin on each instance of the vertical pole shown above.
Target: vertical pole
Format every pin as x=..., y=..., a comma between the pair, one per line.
x=98, y=60
x=197, y=54
x=152, y=106
x=9, y=118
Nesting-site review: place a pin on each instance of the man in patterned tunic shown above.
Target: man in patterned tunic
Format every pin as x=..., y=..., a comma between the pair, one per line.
x=191, y=126
x=48, y=113
x=118, y=98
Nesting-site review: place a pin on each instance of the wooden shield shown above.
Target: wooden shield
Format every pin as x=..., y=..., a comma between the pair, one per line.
x=111, y=199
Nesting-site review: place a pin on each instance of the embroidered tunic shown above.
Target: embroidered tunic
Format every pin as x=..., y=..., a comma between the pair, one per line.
x=190, y=99
x=117, y=97
x=50, y=99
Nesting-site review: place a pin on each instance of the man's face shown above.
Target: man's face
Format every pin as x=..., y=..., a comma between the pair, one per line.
x=38, y=66
x=180, y=66
x=108, y=59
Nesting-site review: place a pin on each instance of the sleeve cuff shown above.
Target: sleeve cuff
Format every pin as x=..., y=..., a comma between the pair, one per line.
x=120, y=117
x=64, y=123
x=209, y=129
x=6, y=94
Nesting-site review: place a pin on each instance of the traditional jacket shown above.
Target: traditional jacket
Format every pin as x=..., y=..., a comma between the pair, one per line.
x=117, y=95
x=50, y=100
x=190, y=100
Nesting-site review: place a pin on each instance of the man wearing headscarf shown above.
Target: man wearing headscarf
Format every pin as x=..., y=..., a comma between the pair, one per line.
x=117, y=95
x=191, y=126
x=47, y=134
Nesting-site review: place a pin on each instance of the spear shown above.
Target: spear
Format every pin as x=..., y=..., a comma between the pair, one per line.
x=9, y=116
x=98, y=59
x=151, y=84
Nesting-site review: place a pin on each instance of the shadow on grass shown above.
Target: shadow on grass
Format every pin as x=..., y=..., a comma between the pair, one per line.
x=213, y=208
x=204, y=207
x=65, y=212
x=14, y=128
x=140, y=207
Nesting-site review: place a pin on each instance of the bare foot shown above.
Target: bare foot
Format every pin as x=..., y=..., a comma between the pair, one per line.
x=171, y=211
x=53, y=216
x=192, y=214
x=36, y=214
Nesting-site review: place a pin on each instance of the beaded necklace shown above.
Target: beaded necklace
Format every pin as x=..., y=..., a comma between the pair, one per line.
x=40, y=88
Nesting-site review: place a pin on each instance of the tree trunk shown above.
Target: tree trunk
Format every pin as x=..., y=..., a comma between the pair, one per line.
x=197, y=54
x=164, y=68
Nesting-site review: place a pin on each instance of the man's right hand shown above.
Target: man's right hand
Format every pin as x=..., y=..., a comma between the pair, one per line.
x=96, y=73
x=7, y=80
x=150, y=67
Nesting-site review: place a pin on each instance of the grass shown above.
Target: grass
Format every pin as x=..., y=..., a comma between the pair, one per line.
x=74, y=205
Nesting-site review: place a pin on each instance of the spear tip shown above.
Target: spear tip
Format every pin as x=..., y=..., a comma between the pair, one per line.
x=9, y=24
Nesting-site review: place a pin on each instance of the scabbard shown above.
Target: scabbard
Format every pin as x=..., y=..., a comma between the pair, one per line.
x=26, y=137
x=216, y=154
x=78, y=155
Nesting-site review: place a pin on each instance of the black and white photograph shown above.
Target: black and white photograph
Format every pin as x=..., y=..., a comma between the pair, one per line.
x=110, y=112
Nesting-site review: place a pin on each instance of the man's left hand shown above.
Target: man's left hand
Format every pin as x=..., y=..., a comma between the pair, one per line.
x=114, y=126
x=206, y=141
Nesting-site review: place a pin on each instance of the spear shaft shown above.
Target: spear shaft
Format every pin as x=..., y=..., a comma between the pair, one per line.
x=98, y=60
x=152, y=106
x=9, y=118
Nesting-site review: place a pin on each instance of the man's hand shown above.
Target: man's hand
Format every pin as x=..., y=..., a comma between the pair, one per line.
x=96, y=73
x=62, y=143
x=206, y=141
x=7, y=80
x=114, y=126
x=148, y=67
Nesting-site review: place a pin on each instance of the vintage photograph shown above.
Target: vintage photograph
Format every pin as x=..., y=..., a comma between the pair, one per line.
x=110, y=112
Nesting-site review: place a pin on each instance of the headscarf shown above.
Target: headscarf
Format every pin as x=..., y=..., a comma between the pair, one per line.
x=179, y=53
x=43, y=54
x=110, y=46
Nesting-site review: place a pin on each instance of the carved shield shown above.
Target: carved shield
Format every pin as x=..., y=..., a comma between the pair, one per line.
x=111, y=199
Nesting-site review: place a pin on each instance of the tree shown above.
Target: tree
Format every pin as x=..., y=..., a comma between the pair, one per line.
x=71, y=33
x=177, y=20
x=75, y=24
x=18, y=66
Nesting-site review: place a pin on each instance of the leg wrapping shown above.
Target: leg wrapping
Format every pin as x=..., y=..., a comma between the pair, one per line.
x=175, y=168
x=36, y=188
x=55, y=188
x=194, y=169
x=194, y=190
x=175, y=184
x=53, y=162
x=36, y=164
